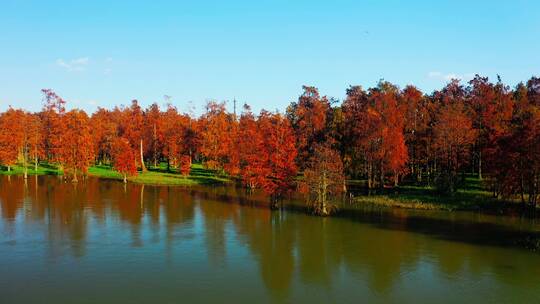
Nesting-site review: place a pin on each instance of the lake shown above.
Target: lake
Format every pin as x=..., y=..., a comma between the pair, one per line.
x=100, y=241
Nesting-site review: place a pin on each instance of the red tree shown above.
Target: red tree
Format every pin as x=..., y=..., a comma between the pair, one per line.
x=11, y=136
x=51, y=117
x=176, y=137
x=75, y=151
x=275, y=168
x=153, y=133
x=309, y=118
x=185, y=165
x=249, y=139
x=416, y=129
x=124, y=158
x=132, y=128
x=34, y=131
x=454, y=135
x=104, y=131
x=216, y=139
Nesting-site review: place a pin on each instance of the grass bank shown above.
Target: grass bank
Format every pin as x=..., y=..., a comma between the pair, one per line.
x=471, y=196
x=154, y=176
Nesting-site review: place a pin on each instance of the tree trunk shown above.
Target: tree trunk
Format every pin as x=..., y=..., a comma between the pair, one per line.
x=143, y=167
x=74, y=180
x=35, y=164
x=125, y=178
x=8, y=168
x=480, y=165
x=370, y=176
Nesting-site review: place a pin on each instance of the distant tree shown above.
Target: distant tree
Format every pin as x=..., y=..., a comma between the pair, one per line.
x=355, y=133
x=387, y=142
x=323, y=178
x=216, y=125
x=11, y=136
x=75, y=151
x=453, y=137
x=104, y=132
x=309, y=117
x=416, y=130
x=176, y=133
x=34, y=133
x=51, y=118
x=249, y=141
x=132, y=128
x=124, y=158
x=153, y=132
x=519, y=171
x=275, y=168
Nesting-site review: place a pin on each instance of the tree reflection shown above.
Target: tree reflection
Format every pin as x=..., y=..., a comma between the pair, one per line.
x=290, y=249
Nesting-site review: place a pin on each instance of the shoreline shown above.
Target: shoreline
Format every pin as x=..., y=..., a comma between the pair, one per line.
x=473, y=198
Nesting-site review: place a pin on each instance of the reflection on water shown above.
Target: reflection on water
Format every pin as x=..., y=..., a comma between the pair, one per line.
x=102, y=241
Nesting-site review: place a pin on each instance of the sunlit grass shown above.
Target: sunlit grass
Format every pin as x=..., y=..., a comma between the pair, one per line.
x=155, y=175
x=41, y=170
x=161, y=176
x=471, y=196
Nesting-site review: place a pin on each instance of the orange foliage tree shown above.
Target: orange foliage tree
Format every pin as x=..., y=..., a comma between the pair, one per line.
x=153, y=133
x=275, y=169
x=375, y=123
x=104, y=132
x=131, y=127
x=51, y=117
x=75, y=151
x=34, y=139
x=453, y=136
x=417, y=134
x=176, y=133
x=124, y=158
x=11, y=136
x=216, y=139
x=309, y=118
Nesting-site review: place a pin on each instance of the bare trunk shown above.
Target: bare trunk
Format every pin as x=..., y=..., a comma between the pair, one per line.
x=125, y=178
x=74, y=180
x=370, y=176
x=35, y=164
x=9, y=168
x=143, y=167
x=154, y=145
x=480, y=165
x=25, y=164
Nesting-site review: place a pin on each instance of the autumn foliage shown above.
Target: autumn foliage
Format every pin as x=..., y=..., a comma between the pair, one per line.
x=124, y=158
x=382, y=136
x=323, y=178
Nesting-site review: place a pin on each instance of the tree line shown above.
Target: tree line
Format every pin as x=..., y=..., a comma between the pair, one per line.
x=383, y=135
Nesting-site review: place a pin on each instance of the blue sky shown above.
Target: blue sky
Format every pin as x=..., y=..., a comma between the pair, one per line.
x=99, y=53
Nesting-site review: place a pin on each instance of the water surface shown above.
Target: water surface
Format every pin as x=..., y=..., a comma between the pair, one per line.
x=102, y=242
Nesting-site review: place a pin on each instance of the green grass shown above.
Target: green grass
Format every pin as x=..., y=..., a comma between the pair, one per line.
x=471, y=196
x=41, y=170
x=160, y=176
x=103, y=171
x=155, y=175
